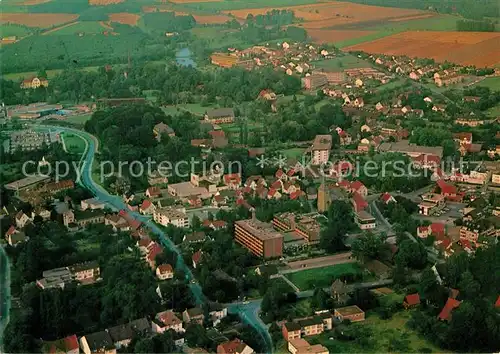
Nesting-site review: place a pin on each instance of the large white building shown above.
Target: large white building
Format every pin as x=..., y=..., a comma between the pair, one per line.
x=320, y=150
x=171, y=216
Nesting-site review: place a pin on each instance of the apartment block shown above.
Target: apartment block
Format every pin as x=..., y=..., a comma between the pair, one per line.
x=259, y=238
x=303, y=225
x=320, y=150
x=171, y=216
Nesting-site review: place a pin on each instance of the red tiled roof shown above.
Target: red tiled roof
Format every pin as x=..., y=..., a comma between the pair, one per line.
x=11, y=231
x=219, y=223
x=462, y=136
x=165, y=268
x=450, y=305
x=230, y=347
x=386, y=197
x=412, y=299
x=276, y=184
x=232, y=178
x=144, y=242
x=296, y=194
x=291, y=172
x=466, y=244
x=145, y=204
x=437, y=228
x=197, y=256
x=497, y=303
x=359, y=201
x=446, y=188
x=422, y=229
x=153, y=191
x=271, y=192
x=154, y=250
x=344, y=184
x=279, y=173
x=133, y=223
x=168, y=318
x=217, y=133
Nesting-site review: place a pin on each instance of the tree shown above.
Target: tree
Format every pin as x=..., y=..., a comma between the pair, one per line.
x=340, y=221
x=469, y=287
x=321, y=300
x=368, y=246
x=411, y=254
x=196, y=336
x=430, y=289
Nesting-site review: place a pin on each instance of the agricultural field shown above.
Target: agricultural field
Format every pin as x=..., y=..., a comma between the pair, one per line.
x=78, y=120
x=335, y=36
x=334, y=14
x=13, y=30
x=104, y=2
x=211, y=19
x=125, y=18
x=74, y=144
x=467, y=48
x=37, y=20
x=493, y=83
x=323, y=277
x=87, y=27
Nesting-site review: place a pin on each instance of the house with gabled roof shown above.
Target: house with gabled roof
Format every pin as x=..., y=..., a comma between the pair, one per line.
x=15, y=237
x=164, y=272
x=98, y=342
x=22, y=219
x=67, y=345
x=147, y=207
x=411, y=301
x=387, y=198
x=446, y=312
x=163, y=321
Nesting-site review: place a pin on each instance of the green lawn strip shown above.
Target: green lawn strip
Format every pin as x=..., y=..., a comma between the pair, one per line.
x=323, y=277
x=293, y=153
x=74, y=143
x=8, y=30
x=341, y=63
x=78, y=120
x=493, y=111
x=86, y=27
x=493, y=83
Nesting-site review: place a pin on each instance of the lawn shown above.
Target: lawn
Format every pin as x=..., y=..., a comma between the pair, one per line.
x=7, y=30
x=377, y=335
x=74, y=143
x=78, y=120
x=493, y=112
x=219, y=37
x=86, y=27
x=341, y=63
x=50, y=73
x=492, y=82
x=322, y=277
x=294, y=153
x=390, y=85
x=195, y=108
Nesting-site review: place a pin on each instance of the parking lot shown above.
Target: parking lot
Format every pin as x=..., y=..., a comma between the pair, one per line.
x=447, y=215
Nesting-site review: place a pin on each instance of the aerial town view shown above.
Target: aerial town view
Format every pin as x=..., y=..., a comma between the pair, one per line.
x=249, y=176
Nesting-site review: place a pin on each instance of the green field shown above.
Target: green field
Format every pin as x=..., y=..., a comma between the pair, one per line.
x=87, y=27
x=241, y=4
x=437, y=23
x=294, y=153
x=7, y=30
x=322, y=277
x=379, y=336
x=74, y=144
x=78, y=120
x=218, y=37
x=492, y=82
x=493, y=112
x=194, y=108
x=50, y=73
x=341, y=63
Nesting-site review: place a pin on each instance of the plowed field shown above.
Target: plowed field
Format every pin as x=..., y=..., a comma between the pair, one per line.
x=104, y=2
x=467, y=48
x=37, y=20
x=333, y=36
x=125, y=18
x=331, y=14
x=191, y=1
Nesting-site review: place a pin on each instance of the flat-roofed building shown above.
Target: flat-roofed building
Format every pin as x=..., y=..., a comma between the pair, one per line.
x=320, y=150
x=412, y=150
x=304, y=225
x=301, y=346
x=26, y=182
x=259, y=238
x=365, y=220
x=351, y=313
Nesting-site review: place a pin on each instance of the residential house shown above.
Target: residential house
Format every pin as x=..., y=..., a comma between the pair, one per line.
x=160, y=129
x=463, y=138
x=359, y=102
x=117, y=222
x=358, y=202
x=379, y=106
x=291, y=330
x=15, y=237
x=411, y=300
x=340, y=292
x=164, y=272
x=232, y=181
x=314, y=82
x=98, y=342
x=195, y=315
x=67, y=345
x=92, y=204
x=216, y=312
x=220, y=115
x=153, y=250
x=365, y=220
x=439, y=107
x=214, y=224
x=236, y=346
x=196, y=258
x=86, y=273
x=345, y=138
x=22, y=219
x=121, y=335
x=153, y=192
x=351, y=313
x=446, y=312
x=147, y=207
x=194, y=237
x=166, y=320
x=34, y=82
x=386, y=198
x=431, y=203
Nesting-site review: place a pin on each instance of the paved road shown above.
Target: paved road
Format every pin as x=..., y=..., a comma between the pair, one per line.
x=248, y=314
